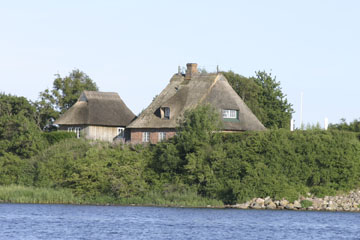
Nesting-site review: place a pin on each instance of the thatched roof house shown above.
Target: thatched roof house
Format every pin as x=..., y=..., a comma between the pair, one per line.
x=185, y=91
x=97, y=115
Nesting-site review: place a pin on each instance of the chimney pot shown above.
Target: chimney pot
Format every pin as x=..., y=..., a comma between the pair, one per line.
x=191, y=68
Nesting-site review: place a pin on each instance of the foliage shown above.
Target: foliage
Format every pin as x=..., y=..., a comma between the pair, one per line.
x=14, y=170
x=64, y=94
x=22, y=194
x=353, y=126
x=12, y=105
x=91, y=170
x=57, y=136
x=20, y=135
x=198, y=166
x=306, y=203
x=264, y=97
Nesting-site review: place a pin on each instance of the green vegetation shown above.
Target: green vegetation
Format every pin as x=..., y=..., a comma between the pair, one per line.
x=306, y=203
x=263, y=95
x=64, y=93
x=21, y=194
x=198, y=167
x=353, y=126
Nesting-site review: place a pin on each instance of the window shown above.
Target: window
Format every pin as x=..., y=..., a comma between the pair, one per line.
x=162, y=136
x=76, y=130
x=146, y=136
x=121, y=132
x=227, y=113
x=165, y=113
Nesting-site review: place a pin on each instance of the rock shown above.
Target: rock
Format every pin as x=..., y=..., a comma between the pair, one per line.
x=255, y=205
x=283, y=202
x=260, y=201
x=289, y=206
x=271, y=205
x=242, y=205
x=297, y=204
x=267, y=200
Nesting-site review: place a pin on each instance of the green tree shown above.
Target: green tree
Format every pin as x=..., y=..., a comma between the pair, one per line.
x=263, y=95
x=353, y=126
x=12, y=105
x=20, y=135
x=65, y=92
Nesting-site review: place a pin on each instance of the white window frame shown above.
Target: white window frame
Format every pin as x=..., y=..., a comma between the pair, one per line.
x=121, y=132
x=162, y=136
x=146, y=137
x=229, y=113
x=76, y=130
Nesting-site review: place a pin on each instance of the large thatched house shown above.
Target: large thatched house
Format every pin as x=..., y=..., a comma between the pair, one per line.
x=185, y=91
x=97, y=115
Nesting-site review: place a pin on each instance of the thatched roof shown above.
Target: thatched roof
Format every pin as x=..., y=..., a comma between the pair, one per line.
x=186, y=92
x=97, y=108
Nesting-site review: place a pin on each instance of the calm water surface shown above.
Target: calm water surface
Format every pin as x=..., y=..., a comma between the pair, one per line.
x=27, y=221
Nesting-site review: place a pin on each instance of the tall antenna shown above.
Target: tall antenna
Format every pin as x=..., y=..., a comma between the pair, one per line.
x=301, y=110
x=326, y=123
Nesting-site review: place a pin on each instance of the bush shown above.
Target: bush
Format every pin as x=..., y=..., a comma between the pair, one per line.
x=57, y=136
x=306, y=203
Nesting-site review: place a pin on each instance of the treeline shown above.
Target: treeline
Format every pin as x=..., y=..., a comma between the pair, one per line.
x=353, y=126
x=197, y=167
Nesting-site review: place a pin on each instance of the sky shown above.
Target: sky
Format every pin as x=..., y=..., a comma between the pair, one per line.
x=134, y=47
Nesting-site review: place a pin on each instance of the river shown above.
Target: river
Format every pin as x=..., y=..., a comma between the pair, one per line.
x=35, y=221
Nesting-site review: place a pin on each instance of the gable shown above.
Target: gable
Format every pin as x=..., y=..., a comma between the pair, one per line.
x=223, y=97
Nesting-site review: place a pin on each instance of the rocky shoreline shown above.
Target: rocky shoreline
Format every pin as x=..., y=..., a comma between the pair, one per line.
x=345, y=202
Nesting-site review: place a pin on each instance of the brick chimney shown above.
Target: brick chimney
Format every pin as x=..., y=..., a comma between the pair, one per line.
x=191, y=68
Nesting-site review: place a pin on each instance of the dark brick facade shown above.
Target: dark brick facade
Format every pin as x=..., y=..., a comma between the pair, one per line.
x=136, y=134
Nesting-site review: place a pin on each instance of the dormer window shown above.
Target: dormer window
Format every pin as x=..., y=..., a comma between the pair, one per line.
x=165, y=112
x=230, y=114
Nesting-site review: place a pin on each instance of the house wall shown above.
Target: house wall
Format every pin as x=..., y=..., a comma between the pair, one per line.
x=136, y=134
x=102, y=133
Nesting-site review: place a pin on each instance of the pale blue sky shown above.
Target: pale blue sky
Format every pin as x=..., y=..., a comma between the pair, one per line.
x=134, y=47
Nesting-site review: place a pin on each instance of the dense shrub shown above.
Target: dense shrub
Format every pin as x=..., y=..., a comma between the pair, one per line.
x=57, y=136
x=199, y=162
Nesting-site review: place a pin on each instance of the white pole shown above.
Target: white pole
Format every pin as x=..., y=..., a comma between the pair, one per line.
x=301, y=110
x=326, y=125
x=292, y=124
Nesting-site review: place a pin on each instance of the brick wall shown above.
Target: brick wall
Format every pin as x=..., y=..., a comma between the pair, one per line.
x=136, y=135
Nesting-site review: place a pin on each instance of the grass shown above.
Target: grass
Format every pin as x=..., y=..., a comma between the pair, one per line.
x=22, y=194
x=173, y=199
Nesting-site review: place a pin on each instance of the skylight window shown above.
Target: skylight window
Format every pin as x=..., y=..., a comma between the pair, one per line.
x=230, y=114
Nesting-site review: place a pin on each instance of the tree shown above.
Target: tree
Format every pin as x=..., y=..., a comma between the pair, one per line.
x=20, y=135
x=12, y=105
x=264, y=97
x=353, y=126
x=64, y=94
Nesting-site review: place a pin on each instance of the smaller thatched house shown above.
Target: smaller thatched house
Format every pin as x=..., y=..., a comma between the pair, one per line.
x=98, y=116
x=186, y=91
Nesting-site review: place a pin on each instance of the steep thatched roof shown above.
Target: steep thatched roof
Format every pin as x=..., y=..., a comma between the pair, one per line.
x=186, y=92
x=97, y=108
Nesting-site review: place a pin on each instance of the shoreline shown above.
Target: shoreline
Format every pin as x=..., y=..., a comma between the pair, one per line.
x=236, y=206
x=13, y=194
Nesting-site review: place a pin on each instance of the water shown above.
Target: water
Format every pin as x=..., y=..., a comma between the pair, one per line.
x=27, y=221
